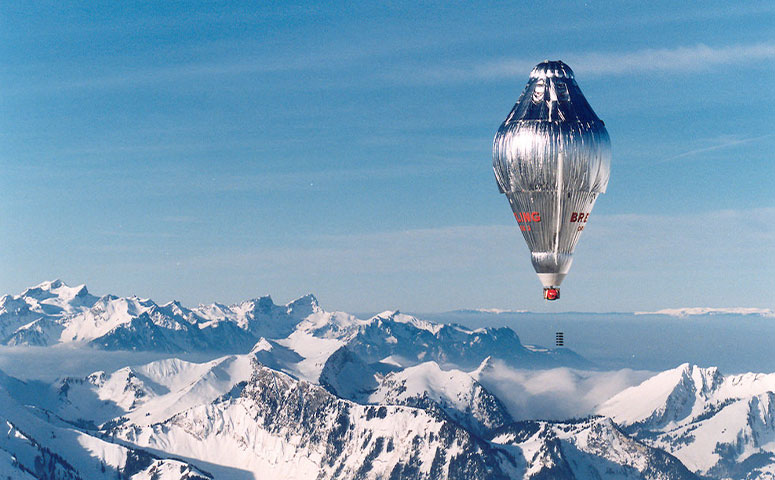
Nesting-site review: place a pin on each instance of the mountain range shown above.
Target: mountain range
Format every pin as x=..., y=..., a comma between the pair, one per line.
x=294, y=391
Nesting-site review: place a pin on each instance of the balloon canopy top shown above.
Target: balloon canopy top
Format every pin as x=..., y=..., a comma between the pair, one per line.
x=551, y=69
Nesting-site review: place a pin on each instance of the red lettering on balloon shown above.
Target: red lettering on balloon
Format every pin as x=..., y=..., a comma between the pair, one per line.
x=527, y=216
x=579, y=217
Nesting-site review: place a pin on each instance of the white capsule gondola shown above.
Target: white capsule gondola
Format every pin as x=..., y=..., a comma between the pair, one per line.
x=552, y=158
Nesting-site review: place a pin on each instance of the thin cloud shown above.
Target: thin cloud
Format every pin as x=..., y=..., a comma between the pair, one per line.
x=681, y=59
x=590, y=64
x=692, y=237
x=720, y=146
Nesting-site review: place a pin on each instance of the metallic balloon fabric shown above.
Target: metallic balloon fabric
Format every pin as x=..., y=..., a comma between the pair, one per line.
x=552, y=157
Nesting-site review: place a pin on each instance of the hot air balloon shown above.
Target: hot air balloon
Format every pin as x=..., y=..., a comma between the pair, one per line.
x=552, y=158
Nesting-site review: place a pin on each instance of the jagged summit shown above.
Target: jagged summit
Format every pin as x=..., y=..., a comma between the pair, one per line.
x=46, y=286
x=719, y=425
x=304, y=306
x=681, y=394
x=53, y=312
x=62, y=293
x=395, y=316
x=299, y=337
x=55, y=289
x=484, y=367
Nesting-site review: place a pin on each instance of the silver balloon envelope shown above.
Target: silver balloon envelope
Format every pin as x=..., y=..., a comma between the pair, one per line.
x=552, y=158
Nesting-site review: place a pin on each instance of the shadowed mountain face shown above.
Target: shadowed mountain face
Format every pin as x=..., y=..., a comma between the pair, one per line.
x=449, y=344
x=331, y=437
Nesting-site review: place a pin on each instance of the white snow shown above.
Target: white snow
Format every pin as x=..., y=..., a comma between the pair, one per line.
x=179, y=407
x=693, y=410
x=107, y=314
x=691, y=311
x=498, y=311
x=450, y=386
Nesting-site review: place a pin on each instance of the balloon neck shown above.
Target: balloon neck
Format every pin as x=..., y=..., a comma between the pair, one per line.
x=553, y=280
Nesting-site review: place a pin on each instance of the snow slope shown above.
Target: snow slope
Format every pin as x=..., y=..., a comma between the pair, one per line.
x=279, y=427
x=43, y=449
x=464, y=399
x=590, y=448
x=233, y=417
x=717, y=425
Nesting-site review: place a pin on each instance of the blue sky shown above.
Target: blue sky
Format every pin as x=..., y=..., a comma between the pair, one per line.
x=208, y=151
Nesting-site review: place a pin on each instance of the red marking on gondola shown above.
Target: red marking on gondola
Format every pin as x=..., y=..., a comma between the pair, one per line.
x=551, y=293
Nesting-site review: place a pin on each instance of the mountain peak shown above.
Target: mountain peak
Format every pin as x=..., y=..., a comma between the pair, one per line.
x=304, y=306
x=398, y=317
x=308, y=298
x=665, y=398
x=705, y=380
x=264, y=301
x=262, y=345
x=81, y=291
x=387, y=314
x=44, y=287
x=261, y=305
x=487, y=365
x=58, y=295
x=54, y=284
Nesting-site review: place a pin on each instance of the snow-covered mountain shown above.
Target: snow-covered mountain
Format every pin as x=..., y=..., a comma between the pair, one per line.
x=696, y=311
x=24, y=314
x=53, y=313
x=460, y=396
x=287, y=428
x=280, y=427
x=385, y=335
x=35, y=445
x=591, y=448
x=233, y=417
x=293, y=391
x=720, y=426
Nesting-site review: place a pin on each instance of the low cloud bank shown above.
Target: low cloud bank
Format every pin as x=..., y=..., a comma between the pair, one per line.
x=50, y=363
x=556, y=394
